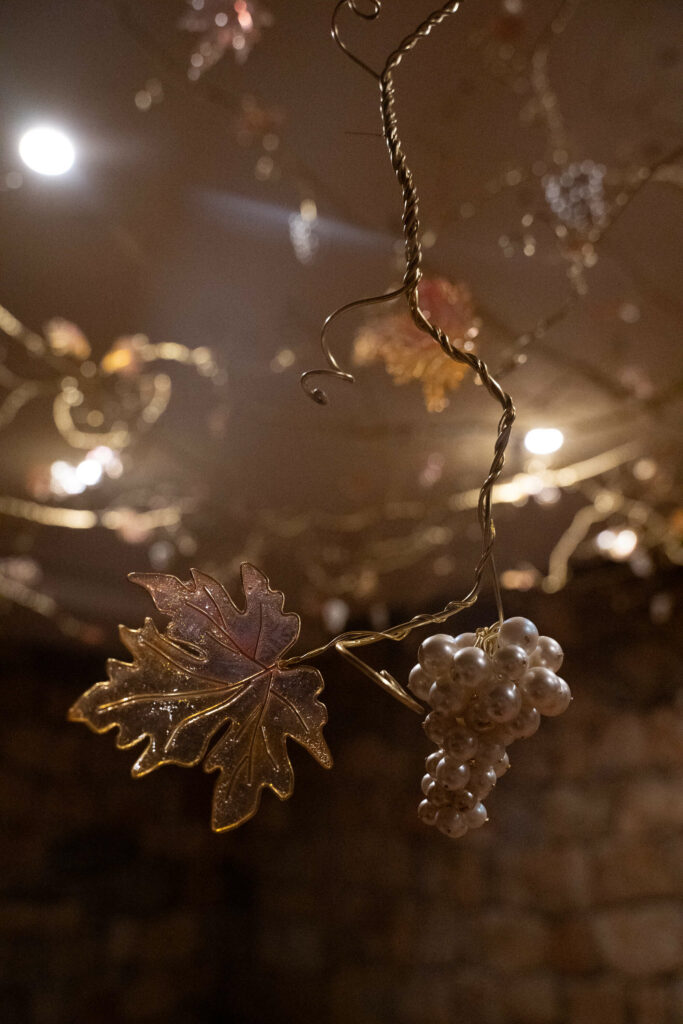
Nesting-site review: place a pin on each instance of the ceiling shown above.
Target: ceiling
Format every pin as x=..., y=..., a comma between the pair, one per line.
x=177, y=224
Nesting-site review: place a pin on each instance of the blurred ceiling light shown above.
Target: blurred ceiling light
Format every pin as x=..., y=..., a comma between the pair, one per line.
x=530, y=483
x=283, y=360
x=605, y=539
x=624, y=544
x=47, y=151
x=523, y=578
x=543, y=440
x=89, y=472
x=549, y=495
x=618, y=546
x=66, y=479
x=644, y=469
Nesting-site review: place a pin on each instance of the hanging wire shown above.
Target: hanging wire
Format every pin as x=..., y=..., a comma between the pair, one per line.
x=410, y=288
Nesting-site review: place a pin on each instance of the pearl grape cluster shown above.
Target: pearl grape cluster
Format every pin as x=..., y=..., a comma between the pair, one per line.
x=485, y=691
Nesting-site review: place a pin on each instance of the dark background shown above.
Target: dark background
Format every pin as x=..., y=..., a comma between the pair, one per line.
x=120, y=904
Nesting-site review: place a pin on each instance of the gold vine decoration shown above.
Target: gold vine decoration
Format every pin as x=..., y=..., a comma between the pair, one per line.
x=215, y=685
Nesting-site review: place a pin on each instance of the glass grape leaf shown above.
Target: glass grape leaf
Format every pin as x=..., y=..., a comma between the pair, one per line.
x=210, y=687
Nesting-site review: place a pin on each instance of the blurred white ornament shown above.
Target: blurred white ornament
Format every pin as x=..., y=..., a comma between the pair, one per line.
x=161, y=554
x=303, y=236
x=577, y=196
x=335, y=614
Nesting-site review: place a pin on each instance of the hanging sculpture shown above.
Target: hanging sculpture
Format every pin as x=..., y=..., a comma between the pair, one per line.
x=216, y=665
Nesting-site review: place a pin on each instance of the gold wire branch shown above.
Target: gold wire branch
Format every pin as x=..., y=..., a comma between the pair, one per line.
x=410, y=288
x=374, y=10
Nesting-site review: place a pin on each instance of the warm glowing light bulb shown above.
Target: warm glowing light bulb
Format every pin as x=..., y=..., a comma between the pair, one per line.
x=618, y=546
x=543, y=440
x=624, y=544
x=605, y=539
x=47, y=151
x=89, y=472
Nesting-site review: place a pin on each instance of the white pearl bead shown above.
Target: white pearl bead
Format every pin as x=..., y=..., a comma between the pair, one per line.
x=435, y=654
x=507, y=732
x=437, y=795
x=477, y=816
x=427, y=812
x=526, y=723
x=518, y=631
x=447, y=696
x=451, y=823
x=452, y=775
x=470, y=667
x=432, y=760
x=510, y=662
x=489, y=751
x=545, y=690
x=477, y=719
x=562, y=698
x=464, y=800
x=500, y=735
x=501, y=766
x=548, y=654
x=437, y=725
x=426, y=783
x=419, y=682
x=460, y=744
x=501, y=702
x=482, y=781
x=464, y=640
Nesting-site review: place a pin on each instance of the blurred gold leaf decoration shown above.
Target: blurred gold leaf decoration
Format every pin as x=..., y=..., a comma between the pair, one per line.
x=213, y=666
x=408, y=354
x=66, y=339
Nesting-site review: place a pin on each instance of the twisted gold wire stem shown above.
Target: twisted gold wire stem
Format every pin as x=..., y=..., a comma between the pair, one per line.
x=410, y=287
x=413, y=273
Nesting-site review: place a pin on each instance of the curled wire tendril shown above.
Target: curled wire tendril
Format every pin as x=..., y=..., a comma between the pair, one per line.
x=334, y=369
x=410, y=288
x=375, y=8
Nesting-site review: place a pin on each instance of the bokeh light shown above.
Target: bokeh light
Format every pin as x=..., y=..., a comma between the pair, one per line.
x=47, y=151
x=543, y=440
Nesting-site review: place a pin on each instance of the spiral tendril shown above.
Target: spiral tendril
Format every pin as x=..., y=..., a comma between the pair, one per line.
x=410, y=288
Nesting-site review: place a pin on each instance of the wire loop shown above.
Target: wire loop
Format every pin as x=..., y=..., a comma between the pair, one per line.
x=375, y=9
x=333, y=369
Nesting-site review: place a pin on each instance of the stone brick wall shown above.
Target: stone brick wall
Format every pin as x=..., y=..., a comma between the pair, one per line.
x=338, y=906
